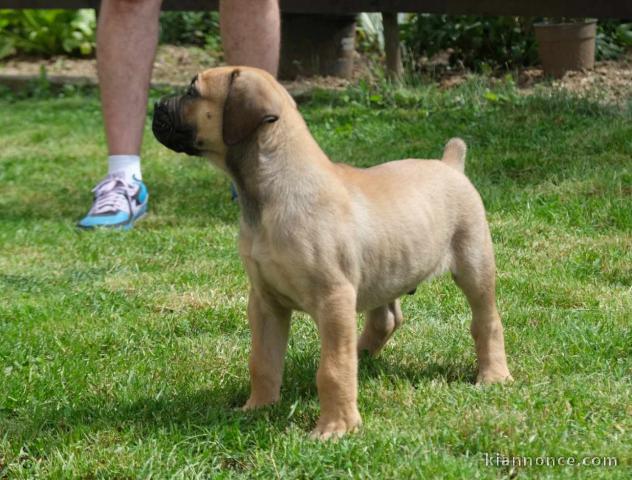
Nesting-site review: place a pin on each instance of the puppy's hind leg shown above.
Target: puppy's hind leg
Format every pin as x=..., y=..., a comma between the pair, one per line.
x=474, y=272
x=380, y=325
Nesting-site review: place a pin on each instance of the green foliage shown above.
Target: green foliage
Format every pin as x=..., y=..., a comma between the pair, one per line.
x=369, y=33
x=190, y=28
x=624, y=34
x=384, y=94
x=613, y=37
x=475, y=41
x=47, y=32
x=479, y=43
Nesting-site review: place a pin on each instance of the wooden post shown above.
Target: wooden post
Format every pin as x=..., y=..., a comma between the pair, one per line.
x=317, y=45
x=394, y=67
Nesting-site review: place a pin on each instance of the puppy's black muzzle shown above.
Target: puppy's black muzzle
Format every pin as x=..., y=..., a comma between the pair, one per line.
x=169, y=128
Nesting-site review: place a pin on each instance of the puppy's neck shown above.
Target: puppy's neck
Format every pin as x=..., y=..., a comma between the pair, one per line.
x=242, y=162
x=277, y=171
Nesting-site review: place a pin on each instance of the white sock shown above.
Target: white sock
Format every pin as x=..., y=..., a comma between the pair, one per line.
x=128, y=164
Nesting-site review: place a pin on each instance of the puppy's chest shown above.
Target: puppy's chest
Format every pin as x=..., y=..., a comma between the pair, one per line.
x=278, y=271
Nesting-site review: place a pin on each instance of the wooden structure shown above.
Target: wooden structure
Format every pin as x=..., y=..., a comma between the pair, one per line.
x=533, y=8
x=328, y=53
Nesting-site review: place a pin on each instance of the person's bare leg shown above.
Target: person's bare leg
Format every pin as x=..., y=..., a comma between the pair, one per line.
x=127, y=37
x=251, y=33
x=126, y=44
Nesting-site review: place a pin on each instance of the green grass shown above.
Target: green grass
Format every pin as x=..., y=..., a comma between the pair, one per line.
x=124, y=355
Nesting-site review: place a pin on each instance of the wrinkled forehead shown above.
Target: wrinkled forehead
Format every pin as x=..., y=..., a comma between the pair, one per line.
x=213, y=84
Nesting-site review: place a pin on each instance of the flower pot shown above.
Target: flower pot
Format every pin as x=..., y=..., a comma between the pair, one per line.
x=566, y=46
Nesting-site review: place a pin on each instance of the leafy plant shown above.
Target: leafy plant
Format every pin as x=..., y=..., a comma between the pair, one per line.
x=624, y=34
x=370, y=32
x=613, y=37
x=190, y=28
x=47, y=32
x=474, y=41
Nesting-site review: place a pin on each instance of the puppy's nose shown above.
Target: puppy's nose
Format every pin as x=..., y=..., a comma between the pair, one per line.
x=162, y=125
x=169, y=129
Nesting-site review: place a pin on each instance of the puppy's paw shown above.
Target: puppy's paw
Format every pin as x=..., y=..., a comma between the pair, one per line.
x=490, y=377
x=254, y=403
x=329, y=428
x=364, y=352
x=369, y=347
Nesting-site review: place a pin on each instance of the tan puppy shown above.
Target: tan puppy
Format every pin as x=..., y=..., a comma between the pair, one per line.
x=330, y=239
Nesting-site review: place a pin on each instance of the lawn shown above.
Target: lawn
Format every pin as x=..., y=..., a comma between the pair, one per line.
x=124, y=355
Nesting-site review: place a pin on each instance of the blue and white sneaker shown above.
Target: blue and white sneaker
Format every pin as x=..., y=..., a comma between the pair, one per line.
x=117, y=203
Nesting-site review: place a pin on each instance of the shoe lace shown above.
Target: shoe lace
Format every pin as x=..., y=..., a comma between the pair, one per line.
x=112, y=194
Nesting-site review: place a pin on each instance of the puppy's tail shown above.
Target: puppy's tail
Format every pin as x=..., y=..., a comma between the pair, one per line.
x=454, y=154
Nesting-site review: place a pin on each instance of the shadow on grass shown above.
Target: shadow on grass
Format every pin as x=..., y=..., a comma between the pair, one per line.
x=201, y=201
x=215, y=410
x=415, y=374
x=22, y=283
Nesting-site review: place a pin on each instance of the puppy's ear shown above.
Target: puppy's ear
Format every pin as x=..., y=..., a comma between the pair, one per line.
x=251, y=101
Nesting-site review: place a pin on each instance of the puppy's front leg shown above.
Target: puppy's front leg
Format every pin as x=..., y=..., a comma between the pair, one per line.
x=269, y=326
x=337, y=376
